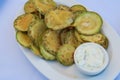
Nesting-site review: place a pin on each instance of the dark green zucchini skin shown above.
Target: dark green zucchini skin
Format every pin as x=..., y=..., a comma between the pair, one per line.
x=23, y=39
x=46, y=55
x=88, y=23
x=78, y=7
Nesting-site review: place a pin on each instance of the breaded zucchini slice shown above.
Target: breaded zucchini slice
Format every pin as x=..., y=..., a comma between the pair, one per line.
x=63, y=35
x=58, y=19
x=63, y=7
x=44, y=6
x=77, y=35
x=65, y=54
x=88, y=23
x=29, y=7
x=23, y=21
x=36, y=29
x=23, y=39
x=97, y=38
x=78, y=7
x=71, y=39
x=39, y=39
x=106, y=43
x=51, y=41
x=46, y=55
x=36, y=50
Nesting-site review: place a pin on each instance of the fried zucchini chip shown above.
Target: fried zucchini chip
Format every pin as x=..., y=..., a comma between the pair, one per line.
x=71, y=39
x=63, y=35
x=23, y=21
x=36, y=29
x=29, y=7
x=23, y=39
x=44, y=6
x=58, y=19
x=77, y=10
x=65, y=54
x=51, y=41
x=93, y=38
x=63, y=7
x=46, y=55
x=97, y=38
x=88, y=23
x=106, y=43
x=78, y=7
x=36, y=50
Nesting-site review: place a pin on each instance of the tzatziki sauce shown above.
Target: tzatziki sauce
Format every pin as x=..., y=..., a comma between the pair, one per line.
x=90, y=57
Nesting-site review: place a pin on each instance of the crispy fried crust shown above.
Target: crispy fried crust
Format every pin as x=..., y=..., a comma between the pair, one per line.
x=65, y=54
x=29, y=7
x=63, y=35
x=51, y=41
x=71, y=39
x=23, y=39
x=55, y=20
x=44, y=6
x=36, y=29
x=23, y=21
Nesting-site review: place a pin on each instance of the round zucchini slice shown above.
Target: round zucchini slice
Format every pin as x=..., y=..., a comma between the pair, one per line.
x=78, y=7
x=23, y=39
x=44, y=6
x=23, y=21
x=65, y=54
x=71, y=39
x=35, y=50
x=39, y=39
x=46, y=55
x=63, y=35
x=51, y=41
x=55, y=20
x=36, y=29
x=88, y=23
x=29, y=7
x=97, y=38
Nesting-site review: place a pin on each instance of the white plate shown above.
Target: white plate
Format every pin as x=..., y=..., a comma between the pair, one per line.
x=55, y=71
